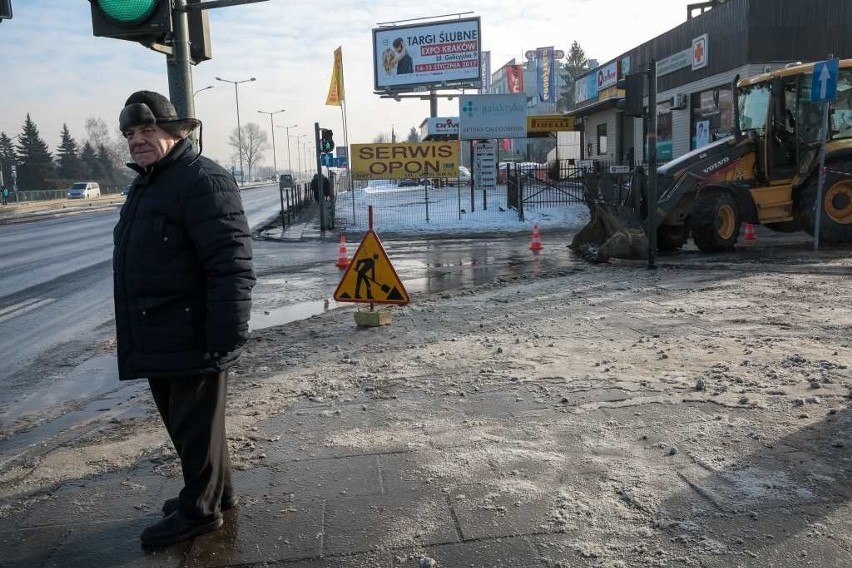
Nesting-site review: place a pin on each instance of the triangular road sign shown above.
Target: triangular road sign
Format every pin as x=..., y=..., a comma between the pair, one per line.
x=371, y=277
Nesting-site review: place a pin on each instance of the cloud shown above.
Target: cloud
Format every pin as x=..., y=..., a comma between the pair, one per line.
x=55, y=69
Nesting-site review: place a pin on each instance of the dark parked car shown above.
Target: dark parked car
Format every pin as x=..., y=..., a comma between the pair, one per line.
x=285, y=181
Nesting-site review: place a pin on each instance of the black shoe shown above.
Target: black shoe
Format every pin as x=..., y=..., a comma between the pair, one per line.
x=171, y=505
x=176, y=528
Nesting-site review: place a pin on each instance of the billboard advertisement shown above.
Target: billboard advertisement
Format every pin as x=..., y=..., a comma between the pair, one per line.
x=483, y=117
x=546, y=74
x=586, y=88
x=406, y=160
x=420, y=55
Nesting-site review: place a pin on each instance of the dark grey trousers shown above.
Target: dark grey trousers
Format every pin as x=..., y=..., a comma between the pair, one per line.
x=193, y=410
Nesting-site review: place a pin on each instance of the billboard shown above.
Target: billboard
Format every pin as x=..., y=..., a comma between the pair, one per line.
x=482, y=117
x=406, y=160
x=419, y=55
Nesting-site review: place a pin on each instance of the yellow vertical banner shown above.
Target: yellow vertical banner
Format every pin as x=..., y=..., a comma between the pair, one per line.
x=335, y=90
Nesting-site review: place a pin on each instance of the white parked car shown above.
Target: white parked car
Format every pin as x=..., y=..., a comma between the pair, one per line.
x=84, y=190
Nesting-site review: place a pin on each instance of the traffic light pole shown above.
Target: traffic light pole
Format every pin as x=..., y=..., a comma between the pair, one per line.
x=180, y=73
x=320, y=181
x=652, y=165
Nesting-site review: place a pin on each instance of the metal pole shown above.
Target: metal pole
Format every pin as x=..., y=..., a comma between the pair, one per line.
x=320, y=184
x=818, y=206
x=179, y=70
x=652, y=165
x=433, y=104
x=239, y=134
x=274, y=155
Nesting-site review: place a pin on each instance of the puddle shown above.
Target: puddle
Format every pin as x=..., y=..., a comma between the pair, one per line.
x=290, y=313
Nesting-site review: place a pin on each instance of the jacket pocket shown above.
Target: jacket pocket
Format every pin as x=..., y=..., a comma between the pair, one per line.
x=166, y=324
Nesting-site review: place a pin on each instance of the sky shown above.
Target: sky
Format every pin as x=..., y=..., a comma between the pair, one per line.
x=53, y=68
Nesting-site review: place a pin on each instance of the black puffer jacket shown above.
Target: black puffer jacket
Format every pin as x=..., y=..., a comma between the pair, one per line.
x=182, y=270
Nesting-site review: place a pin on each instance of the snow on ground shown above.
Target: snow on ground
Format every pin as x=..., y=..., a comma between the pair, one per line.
x=405, y=210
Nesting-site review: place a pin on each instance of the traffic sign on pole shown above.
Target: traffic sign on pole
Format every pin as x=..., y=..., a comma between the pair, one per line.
x=824, y=85
x=824, y=91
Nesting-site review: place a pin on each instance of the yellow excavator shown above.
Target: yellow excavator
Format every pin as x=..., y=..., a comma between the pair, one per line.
x=766, y=172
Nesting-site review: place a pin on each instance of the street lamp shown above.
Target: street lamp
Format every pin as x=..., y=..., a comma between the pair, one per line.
x=299, y=151
x=289, y=162
x=272, y=129
x=239, y=129
x=198, y=91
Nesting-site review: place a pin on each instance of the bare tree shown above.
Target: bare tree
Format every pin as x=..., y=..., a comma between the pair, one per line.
x=254, y=143
x=381, y=138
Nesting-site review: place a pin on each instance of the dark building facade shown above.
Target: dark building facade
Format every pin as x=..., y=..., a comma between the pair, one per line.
x=696, y=65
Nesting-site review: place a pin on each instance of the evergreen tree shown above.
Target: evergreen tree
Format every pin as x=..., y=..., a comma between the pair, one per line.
x=70, y=167
x=7, y=158
x=106, y=161
x=91, y=166
x=575, y=65
x=36, y=167
x=413, y=135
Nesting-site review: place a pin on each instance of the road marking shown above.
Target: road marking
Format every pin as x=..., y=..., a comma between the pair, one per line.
x=21, y=308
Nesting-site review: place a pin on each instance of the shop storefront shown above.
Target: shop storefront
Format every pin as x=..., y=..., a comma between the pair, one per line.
x=697, y=63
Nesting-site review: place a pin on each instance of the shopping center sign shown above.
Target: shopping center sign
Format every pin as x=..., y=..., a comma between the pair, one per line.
x=484, y=117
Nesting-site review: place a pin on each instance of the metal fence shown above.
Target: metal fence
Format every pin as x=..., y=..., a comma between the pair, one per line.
x=293, y=201
x=407, y=204
x=532, y=186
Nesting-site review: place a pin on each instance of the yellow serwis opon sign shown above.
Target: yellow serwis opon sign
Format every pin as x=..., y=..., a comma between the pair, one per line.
x=408, y=160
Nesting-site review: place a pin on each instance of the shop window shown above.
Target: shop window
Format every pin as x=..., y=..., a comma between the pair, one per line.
x=712, y=116
x=602, y=146
x=664, y=131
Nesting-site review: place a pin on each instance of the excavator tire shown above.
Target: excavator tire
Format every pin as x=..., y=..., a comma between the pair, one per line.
x=715, y=222
x=672, y=237
x=836, y=223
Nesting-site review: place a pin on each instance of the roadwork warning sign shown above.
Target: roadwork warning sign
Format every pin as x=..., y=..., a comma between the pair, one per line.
x=371, y=277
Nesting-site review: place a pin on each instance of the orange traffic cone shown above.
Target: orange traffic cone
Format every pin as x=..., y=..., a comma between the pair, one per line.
x=535, y=246
x=749, y=235
x=342, y=256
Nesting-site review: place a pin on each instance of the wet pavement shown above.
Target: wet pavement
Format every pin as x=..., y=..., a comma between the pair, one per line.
x=312, y=503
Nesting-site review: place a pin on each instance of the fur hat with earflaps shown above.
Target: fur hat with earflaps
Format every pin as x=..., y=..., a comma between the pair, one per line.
x=148, y=107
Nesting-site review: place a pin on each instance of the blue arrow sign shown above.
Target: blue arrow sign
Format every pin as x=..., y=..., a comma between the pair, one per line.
x=824, y=86
x=327, y=160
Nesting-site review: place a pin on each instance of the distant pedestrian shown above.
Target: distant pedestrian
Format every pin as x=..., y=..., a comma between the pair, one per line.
x=5, y=192
x=183, y=276
x=326, y=188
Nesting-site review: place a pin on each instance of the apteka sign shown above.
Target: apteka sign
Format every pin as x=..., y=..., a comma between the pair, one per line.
x=483, y=117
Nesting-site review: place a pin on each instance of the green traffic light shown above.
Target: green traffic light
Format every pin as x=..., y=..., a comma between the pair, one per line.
x=127, y=11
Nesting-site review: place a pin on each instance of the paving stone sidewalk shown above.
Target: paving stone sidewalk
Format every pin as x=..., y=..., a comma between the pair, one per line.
x=493, y=430
x=526, y=497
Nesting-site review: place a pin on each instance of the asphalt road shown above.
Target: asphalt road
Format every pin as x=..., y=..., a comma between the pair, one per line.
x=56, y=287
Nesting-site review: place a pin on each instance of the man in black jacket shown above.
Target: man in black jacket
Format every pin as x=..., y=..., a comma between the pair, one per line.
x=183, y=275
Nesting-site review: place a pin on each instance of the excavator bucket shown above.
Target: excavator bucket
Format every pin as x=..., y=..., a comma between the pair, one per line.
x=614, y=230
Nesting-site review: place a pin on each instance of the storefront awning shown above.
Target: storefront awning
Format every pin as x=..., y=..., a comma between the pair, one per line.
x=595, y=107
